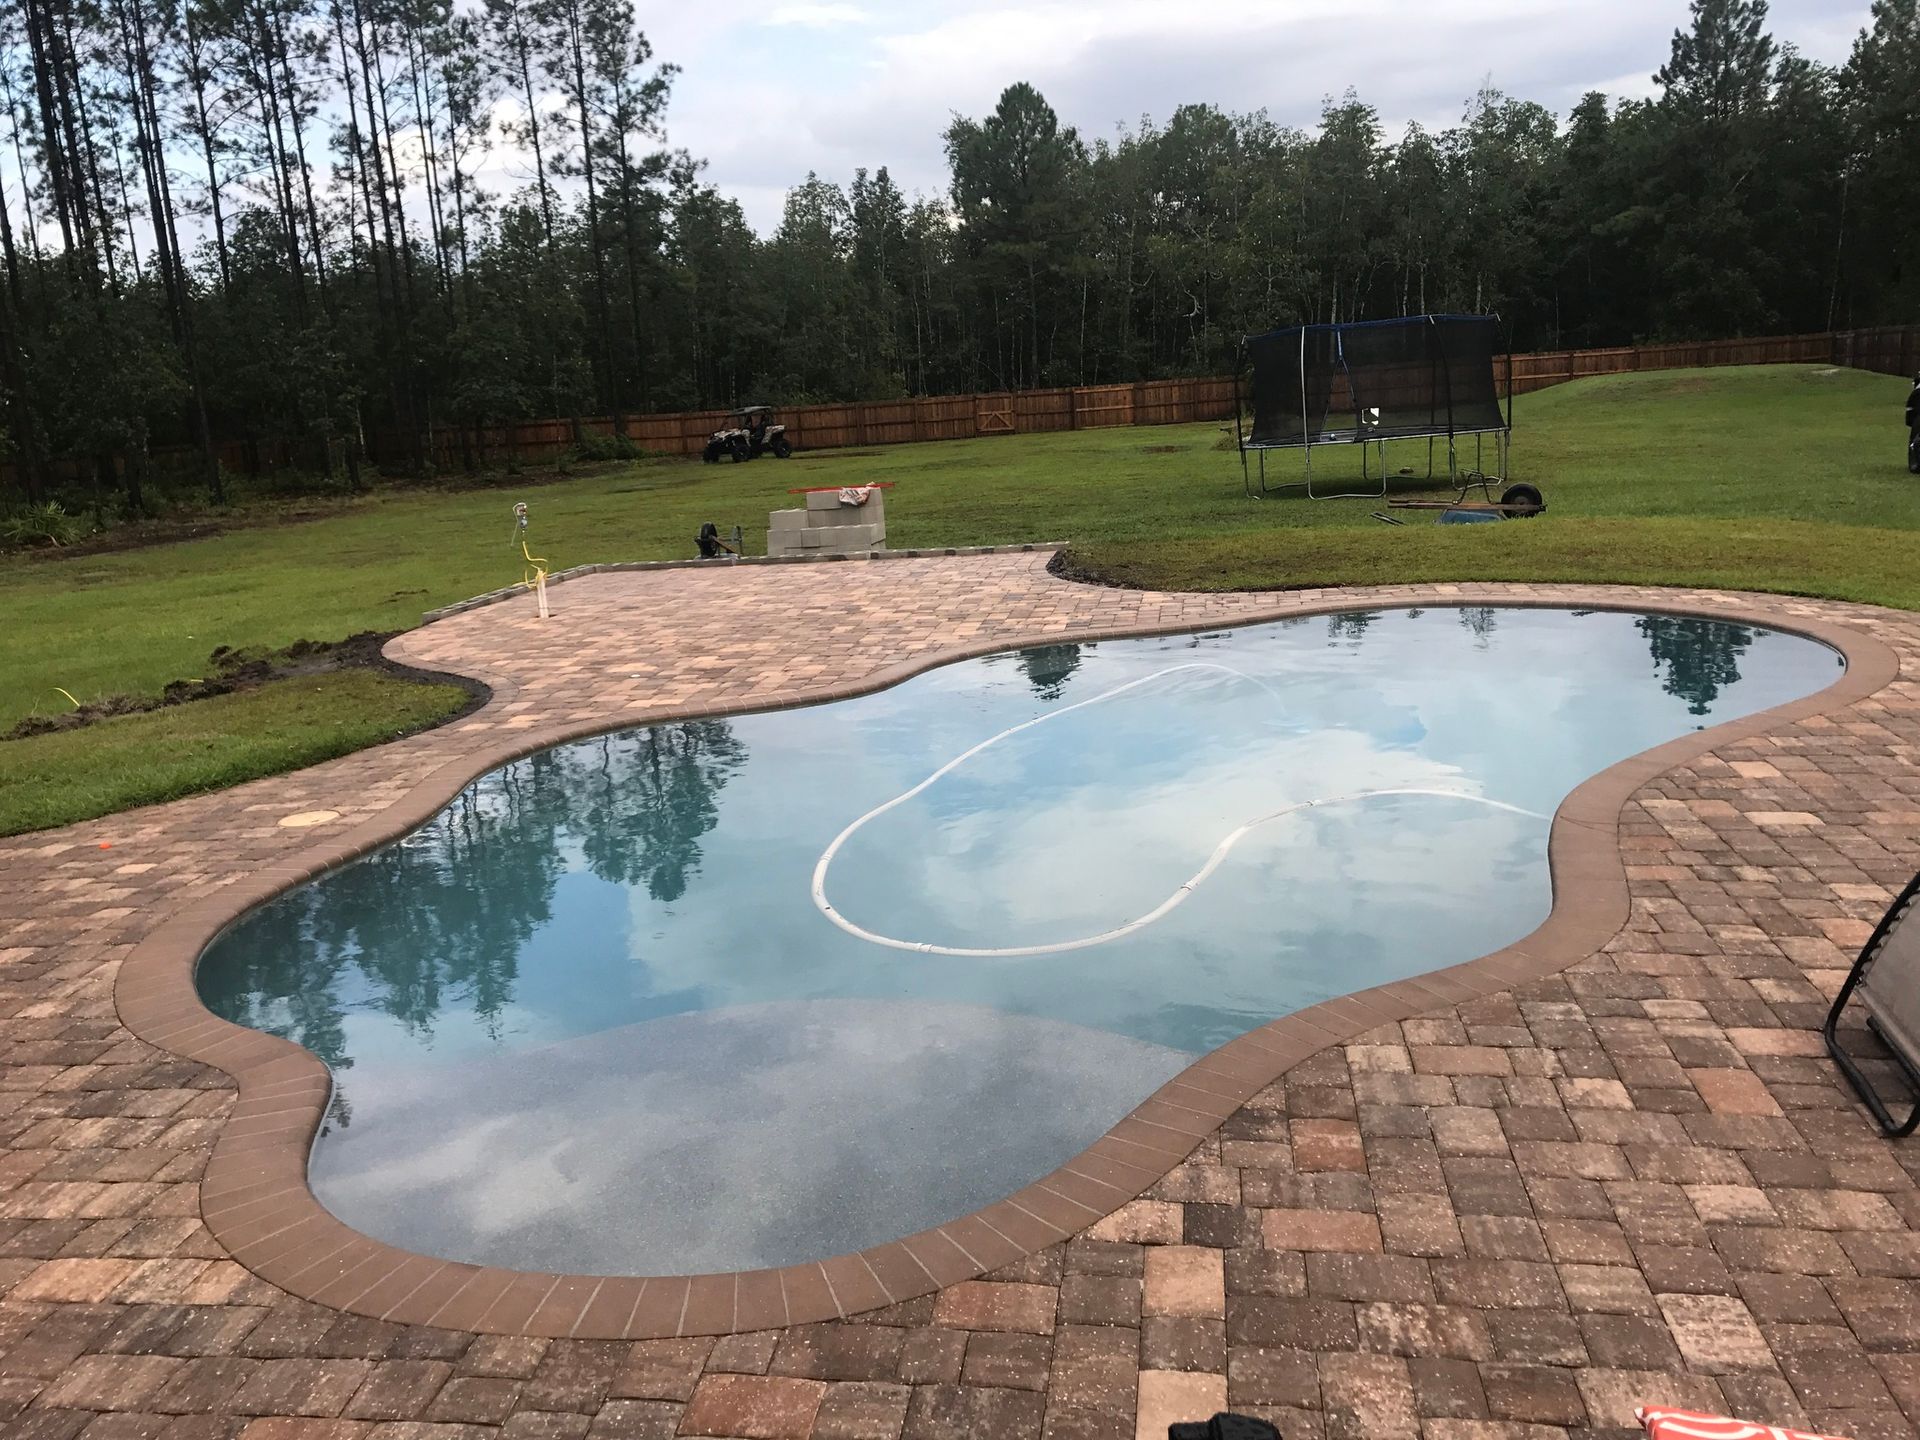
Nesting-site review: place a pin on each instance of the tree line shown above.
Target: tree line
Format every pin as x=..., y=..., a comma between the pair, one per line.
x=260, y=224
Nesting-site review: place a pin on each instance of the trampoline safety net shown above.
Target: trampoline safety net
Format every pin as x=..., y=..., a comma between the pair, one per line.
x=1374, y=380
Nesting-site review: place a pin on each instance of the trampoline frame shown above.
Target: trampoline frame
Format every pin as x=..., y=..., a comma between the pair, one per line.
x=1476, y=477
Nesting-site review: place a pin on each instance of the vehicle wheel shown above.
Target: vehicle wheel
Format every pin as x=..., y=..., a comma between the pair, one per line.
x=1913, y=451
x=1527, y=497
x=782, y=447
x=741, y=452
x=711, y=454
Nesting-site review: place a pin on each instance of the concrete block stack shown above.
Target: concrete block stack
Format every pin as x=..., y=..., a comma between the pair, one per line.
x=830, y=524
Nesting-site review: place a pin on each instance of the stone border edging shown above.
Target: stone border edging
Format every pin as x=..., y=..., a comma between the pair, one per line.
x=256, y=1202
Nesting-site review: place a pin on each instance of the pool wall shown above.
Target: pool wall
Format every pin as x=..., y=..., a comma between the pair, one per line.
x=254, y=1194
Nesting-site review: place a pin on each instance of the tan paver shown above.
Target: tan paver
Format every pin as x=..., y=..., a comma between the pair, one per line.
x=1502, y=1217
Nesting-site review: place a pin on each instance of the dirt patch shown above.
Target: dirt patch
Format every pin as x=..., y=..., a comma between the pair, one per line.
x=131, y=537
x=1065, y=565
x=1161, y=449
x=264, y=513
x=232, y=670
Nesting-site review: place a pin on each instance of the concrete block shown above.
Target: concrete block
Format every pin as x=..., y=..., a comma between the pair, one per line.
x=787, y=520
x=845, y=515
x=857, y=539
x=829, y=502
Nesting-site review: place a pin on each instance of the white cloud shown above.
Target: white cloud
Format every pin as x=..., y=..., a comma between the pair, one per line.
x=817, y=16
x=771, y=89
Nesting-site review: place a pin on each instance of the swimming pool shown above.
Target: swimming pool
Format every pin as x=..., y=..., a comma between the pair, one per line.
x=744, y=992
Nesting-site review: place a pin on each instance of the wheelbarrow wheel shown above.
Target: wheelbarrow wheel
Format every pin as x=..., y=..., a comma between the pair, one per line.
x=1526, y=500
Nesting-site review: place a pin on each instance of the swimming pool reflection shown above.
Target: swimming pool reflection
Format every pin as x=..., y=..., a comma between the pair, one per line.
x=548, y=964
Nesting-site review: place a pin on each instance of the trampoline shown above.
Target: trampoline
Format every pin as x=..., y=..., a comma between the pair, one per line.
x=1368, y=382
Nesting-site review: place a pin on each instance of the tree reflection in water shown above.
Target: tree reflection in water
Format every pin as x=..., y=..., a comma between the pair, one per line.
x=1479, y=621
x=1697, y=658
x=442, y=916
x=1350, y=625
x=1048, y=668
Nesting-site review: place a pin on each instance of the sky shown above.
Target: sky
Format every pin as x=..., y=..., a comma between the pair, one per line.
x=770, y=89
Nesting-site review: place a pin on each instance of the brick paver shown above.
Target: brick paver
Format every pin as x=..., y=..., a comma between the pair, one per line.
x=1512, y=1218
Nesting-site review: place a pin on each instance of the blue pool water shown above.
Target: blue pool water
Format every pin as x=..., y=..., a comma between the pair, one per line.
x=608, y=1012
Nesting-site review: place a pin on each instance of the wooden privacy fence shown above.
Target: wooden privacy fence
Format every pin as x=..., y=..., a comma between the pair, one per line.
x=878, y=422
x=1891, y=350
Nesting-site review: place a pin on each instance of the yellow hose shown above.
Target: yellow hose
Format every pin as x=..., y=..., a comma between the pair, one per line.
x=536, y=568
x=75, y=703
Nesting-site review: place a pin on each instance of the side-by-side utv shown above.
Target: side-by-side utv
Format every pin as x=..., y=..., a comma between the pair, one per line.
x=750, y=433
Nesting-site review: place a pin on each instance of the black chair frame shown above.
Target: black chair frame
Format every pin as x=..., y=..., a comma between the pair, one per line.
x=1898, y=912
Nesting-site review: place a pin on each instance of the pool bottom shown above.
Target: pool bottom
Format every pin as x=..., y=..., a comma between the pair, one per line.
x=595, y=1156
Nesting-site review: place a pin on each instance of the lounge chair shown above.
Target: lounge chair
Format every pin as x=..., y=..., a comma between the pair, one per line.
x=1887, y=977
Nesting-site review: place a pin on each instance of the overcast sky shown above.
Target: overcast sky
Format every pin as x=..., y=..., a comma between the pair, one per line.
x=771, y=89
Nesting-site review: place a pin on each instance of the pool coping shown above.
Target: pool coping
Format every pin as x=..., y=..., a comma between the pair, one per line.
x=256, y=1201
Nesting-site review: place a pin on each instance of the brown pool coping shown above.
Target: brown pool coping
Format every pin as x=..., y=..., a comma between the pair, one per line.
x=256, y=1201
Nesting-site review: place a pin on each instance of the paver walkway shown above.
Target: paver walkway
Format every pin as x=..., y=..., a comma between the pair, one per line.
x=1634, y=1181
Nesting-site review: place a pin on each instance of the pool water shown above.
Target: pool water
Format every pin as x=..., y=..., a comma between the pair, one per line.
x=713, y=995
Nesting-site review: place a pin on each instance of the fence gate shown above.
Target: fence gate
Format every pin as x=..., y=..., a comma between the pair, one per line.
x=996, y=422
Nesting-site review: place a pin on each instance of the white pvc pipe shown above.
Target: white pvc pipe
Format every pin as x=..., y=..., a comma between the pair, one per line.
x=1140, y=922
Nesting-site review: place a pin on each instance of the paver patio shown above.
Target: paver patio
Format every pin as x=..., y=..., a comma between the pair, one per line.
x=1635, y=1180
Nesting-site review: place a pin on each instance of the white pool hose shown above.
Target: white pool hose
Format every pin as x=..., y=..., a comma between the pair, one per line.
x=1140, y=922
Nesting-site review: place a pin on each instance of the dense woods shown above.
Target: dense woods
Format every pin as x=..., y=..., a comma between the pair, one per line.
x=257, y=225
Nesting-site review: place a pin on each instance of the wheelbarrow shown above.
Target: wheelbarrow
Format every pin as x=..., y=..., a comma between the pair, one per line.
x=1516, y=502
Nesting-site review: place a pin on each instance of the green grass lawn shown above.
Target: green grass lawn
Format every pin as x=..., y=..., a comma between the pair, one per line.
x=1787, y=478
x=184, y=749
